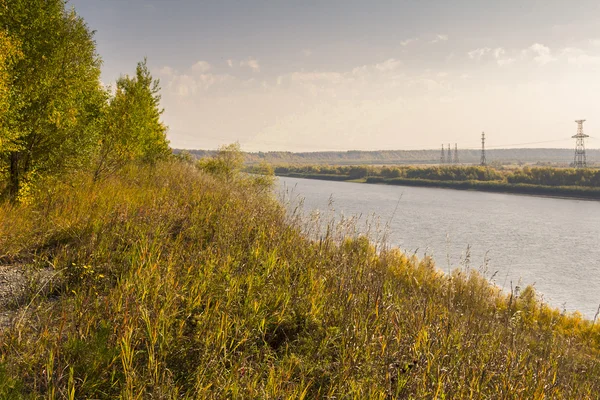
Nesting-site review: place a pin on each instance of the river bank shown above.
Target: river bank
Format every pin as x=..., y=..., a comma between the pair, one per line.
x=573, y=192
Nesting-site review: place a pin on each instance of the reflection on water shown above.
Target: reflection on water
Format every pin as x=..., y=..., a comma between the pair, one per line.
x=551, y=243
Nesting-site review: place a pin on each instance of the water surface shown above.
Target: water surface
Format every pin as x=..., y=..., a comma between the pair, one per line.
x=520, y=240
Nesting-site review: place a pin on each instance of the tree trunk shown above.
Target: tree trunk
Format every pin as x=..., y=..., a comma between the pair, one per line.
x=15, y=176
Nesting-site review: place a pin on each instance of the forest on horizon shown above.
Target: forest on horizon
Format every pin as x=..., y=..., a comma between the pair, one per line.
x=546, y=156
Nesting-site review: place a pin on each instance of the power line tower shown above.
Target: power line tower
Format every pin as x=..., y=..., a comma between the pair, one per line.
x=580, y=160
x=449, y=155
x=483, y=160
x=443, y=156
x=455, y=161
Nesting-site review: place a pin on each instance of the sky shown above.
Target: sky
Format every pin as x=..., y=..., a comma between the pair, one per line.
x=360, y=75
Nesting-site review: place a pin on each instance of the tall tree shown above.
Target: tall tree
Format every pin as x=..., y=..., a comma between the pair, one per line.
x=132, y=130
x=9, y=54
x=56, y=83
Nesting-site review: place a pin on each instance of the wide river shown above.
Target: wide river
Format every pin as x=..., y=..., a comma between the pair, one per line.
x=553, y=244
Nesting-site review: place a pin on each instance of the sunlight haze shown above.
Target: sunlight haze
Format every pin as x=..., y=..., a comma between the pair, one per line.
x=340, y=75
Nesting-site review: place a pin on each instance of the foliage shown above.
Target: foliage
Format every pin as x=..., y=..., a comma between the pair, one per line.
x=131, y=128
x=178, y=284
x=9, y=54
x=564, y=180
x=56, y=90
x=264, y=175
x=226, y=163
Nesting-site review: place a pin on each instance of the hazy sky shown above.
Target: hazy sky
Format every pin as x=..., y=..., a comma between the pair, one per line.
x=339, y=75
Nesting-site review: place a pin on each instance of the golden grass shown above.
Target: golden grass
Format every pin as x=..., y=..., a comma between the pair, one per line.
x=175, y=284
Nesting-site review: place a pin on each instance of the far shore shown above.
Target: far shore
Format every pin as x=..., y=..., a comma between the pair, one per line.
x=559, y=192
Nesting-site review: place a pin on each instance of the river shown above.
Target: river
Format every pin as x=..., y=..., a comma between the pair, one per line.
x=553, y=244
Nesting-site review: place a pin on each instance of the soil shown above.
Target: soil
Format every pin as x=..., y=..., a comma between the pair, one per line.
x=17, y=283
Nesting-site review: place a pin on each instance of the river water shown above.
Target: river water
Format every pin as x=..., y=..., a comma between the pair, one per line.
x=553, y=244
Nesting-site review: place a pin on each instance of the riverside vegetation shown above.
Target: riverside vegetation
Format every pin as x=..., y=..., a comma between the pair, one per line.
x=192, y=281
x=569, y=182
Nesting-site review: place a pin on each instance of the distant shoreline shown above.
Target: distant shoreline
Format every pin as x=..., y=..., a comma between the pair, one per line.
x=565, y=192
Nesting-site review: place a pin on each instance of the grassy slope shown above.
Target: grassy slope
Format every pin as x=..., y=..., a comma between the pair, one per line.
x=175, y=285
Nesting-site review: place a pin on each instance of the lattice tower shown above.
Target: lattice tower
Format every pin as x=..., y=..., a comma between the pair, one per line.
x=580, y=159
x=455, y=161
x=443, y=156
x=483, y=160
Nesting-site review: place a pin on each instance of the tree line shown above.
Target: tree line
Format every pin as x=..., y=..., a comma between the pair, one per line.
x=543, y=176
x=55, y=114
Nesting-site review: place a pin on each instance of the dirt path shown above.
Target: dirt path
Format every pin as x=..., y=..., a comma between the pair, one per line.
x=16, y=283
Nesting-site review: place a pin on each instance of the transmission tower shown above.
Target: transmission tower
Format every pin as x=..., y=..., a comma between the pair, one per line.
x=455, y=161
x=580, y=160
x=449, y=155
x=443, y=156
x=483, y=160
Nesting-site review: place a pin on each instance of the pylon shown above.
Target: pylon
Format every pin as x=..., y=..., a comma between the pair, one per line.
x=455, y=161
x=483, y=160
x=580, y=160
x=443, y=156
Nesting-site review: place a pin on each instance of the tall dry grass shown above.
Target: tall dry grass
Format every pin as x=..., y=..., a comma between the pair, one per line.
x=172, y=283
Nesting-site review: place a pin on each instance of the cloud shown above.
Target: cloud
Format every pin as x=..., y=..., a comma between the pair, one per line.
x=440, y=38
x=201, y=66
x=166, y=71
x=498, y=54
x=477, y=54
x=542, y=54
x=388, y=65
x=307, y=52
x=230, y=63
x=406, y=42
x=315, y=76
x=579, y=57
x=252, y=64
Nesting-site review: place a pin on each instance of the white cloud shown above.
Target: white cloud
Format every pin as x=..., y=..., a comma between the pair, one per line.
x=388, y=65
x=579, y=57
x=252, y=64
x=307, y=52
x=542, y=54
x=201, y=66
x=478, y=53
x=306, y=77
x=440, y=38
x=406, y=42
x=505, y=61
x=166, y=71
x=230, y=63
x=498, y=54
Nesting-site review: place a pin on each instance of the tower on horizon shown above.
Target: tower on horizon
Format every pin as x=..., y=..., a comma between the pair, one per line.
x=443, y=156
x=449, y=155
x=455, y=160
x=483, y=160
x=580, y=160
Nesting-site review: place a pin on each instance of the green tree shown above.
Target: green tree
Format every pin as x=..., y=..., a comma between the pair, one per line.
x=9, y=54
x=227, y=163
x=131, y=127
x=57, y=92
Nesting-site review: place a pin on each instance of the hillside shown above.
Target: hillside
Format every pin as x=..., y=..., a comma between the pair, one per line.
x=170, y=282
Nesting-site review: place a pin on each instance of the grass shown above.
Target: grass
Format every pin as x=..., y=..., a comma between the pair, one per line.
x=172, y=283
